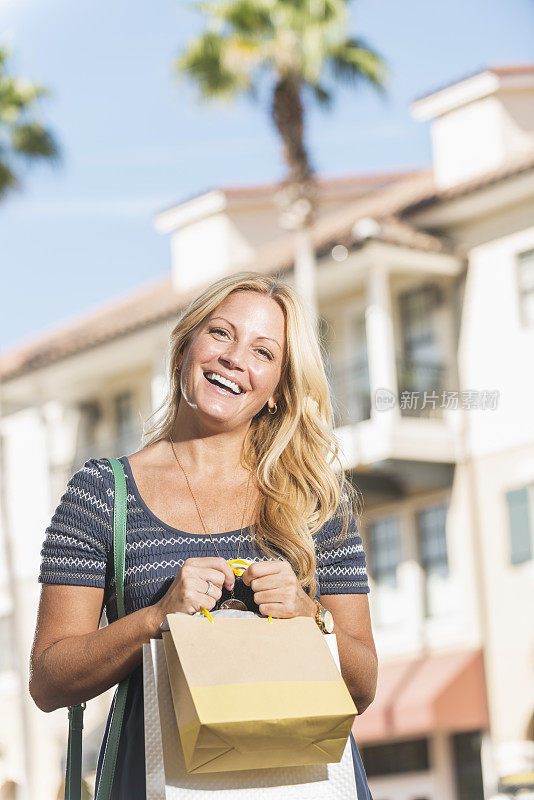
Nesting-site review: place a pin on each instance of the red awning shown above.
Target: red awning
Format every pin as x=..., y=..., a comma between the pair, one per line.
x=445, y=691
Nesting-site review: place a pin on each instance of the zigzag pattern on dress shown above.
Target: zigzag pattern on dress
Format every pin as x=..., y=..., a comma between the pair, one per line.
x=82, y=511
x=72, y=540
x=339, y=552
x=130, y=498
x=69, y=561
x=348, y=585
x=139, y=568
x=337, y=569
x=91, y=470
x=86, y=495
x=178, y=540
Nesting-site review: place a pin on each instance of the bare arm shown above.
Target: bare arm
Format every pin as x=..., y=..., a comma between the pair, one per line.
x=72, y=660
x=357, y=651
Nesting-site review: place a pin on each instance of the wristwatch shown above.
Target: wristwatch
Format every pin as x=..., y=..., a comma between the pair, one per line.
x=323, y=618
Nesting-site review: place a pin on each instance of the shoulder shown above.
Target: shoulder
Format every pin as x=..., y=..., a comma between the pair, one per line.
x=95, y=475
x=91, y=490
x=339, y=528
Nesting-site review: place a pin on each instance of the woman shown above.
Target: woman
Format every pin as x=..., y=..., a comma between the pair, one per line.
x=238, y=465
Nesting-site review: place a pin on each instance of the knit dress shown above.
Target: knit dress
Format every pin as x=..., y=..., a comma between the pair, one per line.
x=77, y=550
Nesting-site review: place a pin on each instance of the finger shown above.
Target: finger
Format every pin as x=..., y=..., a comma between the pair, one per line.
x=219, y=564
x=273, y=581
x=213, y=575
x=193, y=601
x=205, y=601
x=274, y=610
x=201, y=586
x=269, y=596
x=260, y=568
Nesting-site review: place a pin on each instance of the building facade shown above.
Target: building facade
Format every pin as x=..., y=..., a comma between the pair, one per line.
x=425, y=294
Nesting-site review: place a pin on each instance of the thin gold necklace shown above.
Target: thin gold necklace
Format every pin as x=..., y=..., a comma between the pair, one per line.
x=232, y=602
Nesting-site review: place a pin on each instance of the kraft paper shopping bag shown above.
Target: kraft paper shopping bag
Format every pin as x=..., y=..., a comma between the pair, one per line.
x=168, y=779
x=250, y=694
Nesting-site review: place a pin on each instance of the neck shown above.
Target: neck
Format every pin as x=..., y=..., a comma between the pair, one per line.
x=205, y=449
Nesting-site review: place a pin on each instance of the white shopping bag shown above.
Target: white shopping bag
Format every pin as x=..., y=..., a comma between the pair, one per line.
x=166, y=774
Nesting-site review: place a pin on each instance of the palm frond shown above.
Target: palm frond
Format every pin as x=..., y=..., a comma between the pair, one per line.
x=353, y=61
x=203, y=61
x=246, y=17
x=34, y=141
x=8, y=179
x=21, y=135
x=322, y=95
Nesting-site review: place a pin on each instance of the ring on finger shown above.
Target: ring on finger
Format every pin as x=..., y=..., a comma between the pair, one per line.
x=210, y=587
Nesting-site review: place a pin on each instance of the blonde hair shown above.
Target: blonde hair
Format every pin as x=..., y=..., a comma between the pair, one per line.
x=292, y=452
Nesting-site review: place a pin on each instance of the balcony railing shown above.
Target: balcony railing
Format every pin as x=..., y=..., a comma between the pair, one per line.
x=420, y=388
x=351, y=395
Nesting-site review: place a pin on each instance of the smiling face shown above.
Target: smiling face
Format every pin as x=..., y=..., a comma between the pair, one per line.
x=242, y=340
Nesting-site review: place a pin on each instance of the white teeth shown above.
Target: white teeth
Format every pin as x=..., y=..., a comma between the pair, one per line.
x=231, y=385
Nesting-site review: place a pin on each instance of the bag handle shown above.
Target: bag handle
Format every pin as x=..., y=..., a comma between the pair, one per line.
x=238, y=565
x=73, y=775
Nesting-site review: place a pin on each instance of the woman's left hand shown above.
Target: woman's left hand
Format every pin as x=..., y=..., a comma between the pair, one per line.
x=277, y=591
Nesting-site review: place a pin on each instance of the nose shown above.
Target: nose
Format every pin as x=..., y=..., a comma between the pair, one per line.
x=233, y=355
x=231, y=359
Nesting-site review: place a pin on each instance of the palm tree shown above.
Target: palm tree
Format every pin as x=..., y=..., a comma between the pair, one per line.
x=22, y=138
x=303, y=46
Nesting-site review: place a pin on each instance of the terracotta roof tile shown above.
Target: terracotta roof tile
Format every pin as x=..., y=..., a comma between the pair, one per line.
x=512, y=167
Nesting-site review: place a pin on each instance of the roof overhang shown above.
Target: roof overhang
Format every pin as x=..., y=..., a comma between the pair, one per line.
x=335, y=278
x=486, y=197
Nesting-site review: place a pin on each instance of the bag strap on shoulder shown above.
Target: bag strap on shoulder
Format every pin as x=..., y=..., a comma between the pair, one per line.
x=73, y=776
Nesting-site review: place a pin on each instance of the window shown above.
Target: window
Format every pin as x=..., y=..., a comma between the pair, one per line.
x=90, y=414
x=432, y=541
x=125, y=422
x=466, y=749
x=384, y=553
x=525, y=285
x=384, y=550
x=357, y=370
x=519, y=525
x=421, y=368
x=396, y=757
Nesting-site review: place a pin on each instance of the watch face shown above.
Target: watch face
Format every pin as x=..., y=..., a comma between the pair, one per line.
x=328, y=621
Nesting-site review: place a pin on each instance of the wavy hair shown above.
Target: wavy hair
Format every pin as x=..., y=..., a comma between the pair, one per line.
x=293, y=452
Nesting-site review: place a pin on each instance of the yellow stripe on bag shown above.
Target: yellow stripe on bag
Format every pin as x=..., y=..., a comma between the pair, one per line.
x=281, y=700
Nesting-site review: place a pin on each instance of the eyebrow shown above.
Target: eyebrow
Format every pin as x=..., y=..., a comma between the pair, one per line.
x=268, y=338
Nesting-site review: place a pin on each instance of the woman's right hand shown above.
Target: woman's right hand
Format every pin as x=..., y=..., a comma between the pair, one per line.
x=187, y=592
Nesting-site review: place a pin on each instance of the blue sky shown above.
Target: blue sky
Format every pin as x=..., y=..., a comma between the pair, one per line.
x=136, y=139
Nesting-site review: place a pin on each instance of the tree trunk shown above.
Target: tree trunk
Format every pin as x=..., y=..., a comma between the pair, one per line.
x=297, y=197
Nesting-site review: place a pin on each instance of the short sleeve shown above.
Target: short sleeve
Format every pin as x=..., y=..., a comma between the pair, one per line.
x=79, y=537
x=341, y=563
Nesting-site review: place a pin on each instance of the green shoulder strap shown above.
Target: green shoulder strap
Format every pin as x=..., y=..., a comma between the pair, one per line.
x=73, y=776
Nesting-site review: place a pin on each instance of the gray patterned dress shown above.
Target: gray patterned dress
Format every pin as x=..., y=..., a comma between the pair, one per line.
x=77, y=549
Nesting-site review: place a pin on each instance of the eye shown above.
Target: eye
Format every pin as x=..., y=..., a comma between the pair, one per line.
x=260, y=349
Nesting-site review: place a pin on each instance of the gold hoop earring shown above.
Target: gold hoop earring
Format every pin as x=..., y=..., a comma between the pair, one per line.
x=274, y=409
